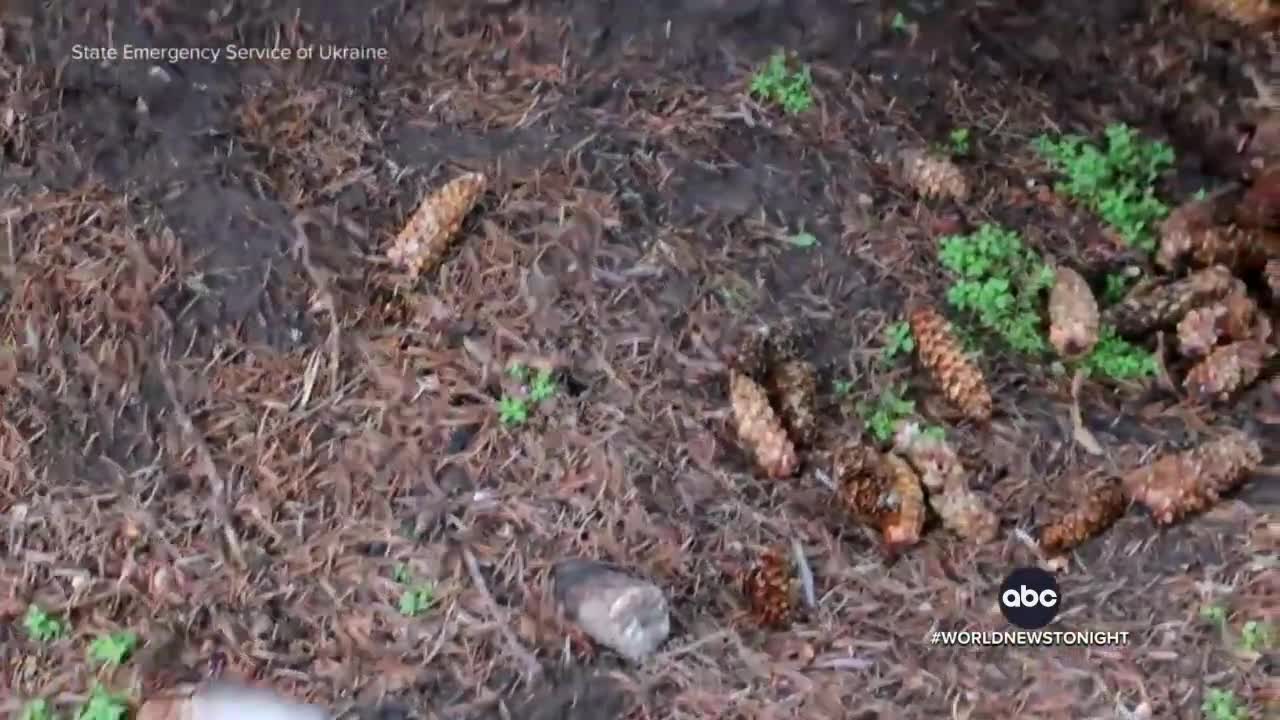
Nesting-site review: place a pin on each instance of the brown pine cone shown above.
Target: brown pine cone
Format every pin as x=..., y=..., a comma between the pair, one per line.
x=759, y=429
x=1095, y=512
x=880, y=491
x=770, y=590
x=1249, y=13
x=1227, y=370
x=902, y=528
x=964, y=513
x=1260, y=208
x=750, y=356
x=961, y=510
x=793, y=389
x=1272, y=276
x=1200, y=330
x=1179, y=231
x=1073, y=314
x=932, y=456
x=1161, y=306
x=422, y=244
x=932, y=176
x=941, y=353
x=1182, y=483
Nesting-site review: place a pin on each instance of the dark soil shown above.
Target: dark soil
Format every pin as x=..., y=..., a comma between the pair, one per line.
x=199, y=244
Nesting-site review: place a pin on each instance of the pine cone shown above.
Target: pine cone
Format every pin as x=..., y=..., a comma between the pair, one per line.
x=1073, y=314
x=1200, y=330
x=881, y=491
x=1162, y=306
x=1178, y=231
x=751, y=354
x=932, y=456
x=770, y=590
x=759, y=429
x=1260, y=209
x=787, y=341
x=422, y=244
x=1272, y=275
x=962, y=511
x=793, y=389
x=961, y=381
x=1228, y=369
x=1249, y=13
x=1092, y=514
x=934, y=177
x=1182, y=483
x=1240, y=319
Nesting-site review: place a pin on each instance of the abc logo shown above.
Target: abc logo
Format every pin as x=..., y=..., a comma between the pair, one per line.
x=1029, y=598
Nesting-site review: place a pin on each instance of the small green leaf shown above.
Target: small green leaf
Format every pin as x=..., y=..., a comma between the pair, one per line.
x=543, y=388
x=42, y=626
x=803, y=240
x=102, y=705
x=899, y=22
x=1255, y=636
x=36, y=710
x=113, y=648
x=417, y=600
x=513, y=411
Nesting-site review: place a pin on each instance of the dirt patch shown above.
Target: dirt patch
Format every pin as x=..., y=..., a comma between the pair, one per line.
x=226, y=415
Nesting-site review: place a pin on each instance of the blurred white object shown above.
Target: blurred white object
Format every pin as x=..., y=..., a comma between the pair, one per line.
x=227, y=701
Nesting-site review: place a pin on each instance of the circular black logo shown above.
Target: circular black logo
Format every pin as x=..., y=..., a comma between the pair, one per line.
x=1029, y=598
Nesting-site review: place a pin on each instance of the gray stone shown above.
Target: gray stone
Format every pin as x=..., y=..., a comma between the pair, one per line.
x=626, y=614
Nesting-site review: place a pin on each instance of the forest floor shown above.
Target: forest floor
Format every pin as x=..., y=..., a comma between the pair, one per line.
x=221, y=436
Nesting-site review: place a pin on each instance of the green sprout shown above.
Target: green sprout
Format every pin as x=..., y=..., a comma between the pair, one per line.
x=513, y=410
x=41, y=625
x=803, y=240
x=1116, y=182
x=890, y=409
x=1117, y=358
x=1116, y=288
x=1215, y=614
x=775, y=83
x=543, y=387
x=517, y=371
x=897, y=341
x=1222, y=705
x=899, y=22
x=113, y=648
x=842, y=387
x=36, y=710
x=103, y=705
x=417, y=600
x=934, y=432
x=1255, y=636
x=959, y=142
x=998, y=281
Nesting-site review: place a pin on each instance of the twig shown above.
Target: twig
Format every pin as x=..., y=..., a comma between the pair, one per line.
x=806, y=574
x=205, y=465
x=533, y=669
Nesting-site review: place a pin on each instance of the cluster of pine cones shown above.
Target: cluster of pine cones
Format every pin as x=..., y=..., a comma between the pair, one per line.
x=773, y=394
